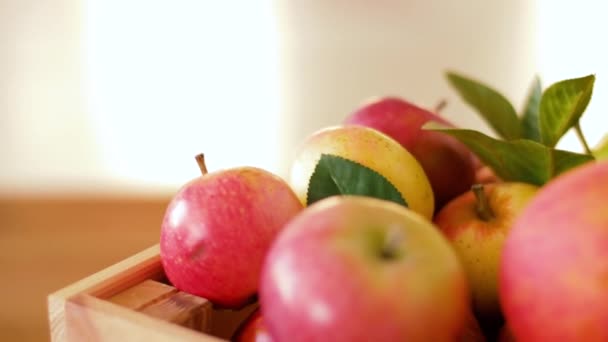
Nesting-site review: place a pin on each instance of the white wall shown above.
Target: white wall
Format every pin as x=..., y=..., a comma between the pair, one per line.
x=105, y=95
x=46, y=138
x=571, y=37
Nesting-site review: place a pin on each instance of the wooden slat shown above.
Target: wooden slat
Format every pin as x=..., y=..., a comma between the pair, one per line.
x=104, y=284
x=143, y=294
x=183, y=309
x=225, y=322
x=92, y=319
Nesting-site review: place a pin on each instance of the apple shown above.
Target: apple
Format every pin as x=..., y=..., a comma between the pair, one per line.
x=477, y=223
x=372, y=149
x=356, y=268
x=447, y=162
x=217, y=229
x=252, y=329
x=554, y=268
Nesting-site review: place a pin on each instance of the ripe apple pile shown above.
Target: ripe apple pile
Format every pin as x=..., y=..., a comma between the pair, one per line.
x=386, y=230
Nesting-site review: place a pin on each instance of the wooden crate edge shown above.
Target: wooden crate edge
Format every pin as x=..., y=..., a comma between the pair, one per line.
x=93, y=319
x=119, y=276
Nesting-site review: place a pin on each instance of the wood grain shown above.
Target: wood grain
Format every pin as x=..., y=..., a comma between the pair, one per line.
x=94, y=319
x=183, y=309
x=143, y=294
x=120, y=300
x=48, y=243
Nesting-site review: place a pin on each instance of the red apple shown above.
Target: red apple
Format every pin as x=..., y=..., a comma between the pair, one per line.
x=448, y=163
x=354, y=268
x=554, y=269
x=218, y=228
x=252, y=329
x=477, y=223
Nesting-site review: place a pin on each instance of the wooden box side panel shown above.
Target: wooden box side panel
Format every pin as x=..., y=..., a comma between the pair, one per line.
x=93, y=319
x=108, y=282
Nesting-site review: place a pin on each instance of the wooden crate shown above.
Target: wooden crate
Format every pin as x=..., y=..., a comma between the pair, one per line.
x=132, y=301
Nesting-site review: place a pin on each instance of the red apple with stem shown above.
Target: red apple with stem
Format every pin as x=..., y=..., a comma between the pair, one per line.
x=554, y=267
x=217, y=229
x=354, y=268
x=477, y=223
x=448, y=164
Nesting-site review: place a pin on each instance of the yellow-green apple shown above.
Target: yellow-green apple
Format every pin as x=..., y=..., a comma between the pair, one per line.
x=372, y=149
x=356, y=268
x=218, y=228
x=447, y=162
x=252, y=329
x=476, y=223
x=554, y=268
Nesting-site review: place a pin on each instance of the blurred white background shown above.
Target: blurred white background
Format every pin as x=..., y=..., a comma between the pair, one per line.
x=118, y=96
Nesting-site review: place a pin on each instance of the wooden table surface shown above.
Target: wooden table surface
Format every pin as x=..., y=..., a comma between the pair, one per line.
x=48, y=243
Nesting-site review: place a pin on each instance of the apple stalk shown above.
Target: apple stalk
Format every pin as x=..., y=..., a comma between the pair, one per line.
x=200, y=160
x=482, y=207
x=393, y=238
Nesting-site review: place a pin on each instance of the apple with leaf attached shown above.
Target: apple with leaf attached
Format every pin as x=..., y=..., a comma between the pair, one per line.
x=524, y=157
x=217, y=229
x=447, y=162
x=358, y=160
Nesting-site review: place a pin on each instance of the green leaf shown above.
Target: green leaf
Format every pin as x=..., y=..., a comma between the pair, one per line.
x=520, y=160
x=562, y=105
x=334, y=175
x=600, y=152
x=495, y=109
x=529, y=118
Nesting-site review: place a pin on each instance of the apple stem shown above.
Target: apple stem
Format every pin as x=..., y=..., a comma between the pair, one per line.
x=393, y=239
x=581, y=138
x=200, y=159
x=483, y=206
x=440, y=106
